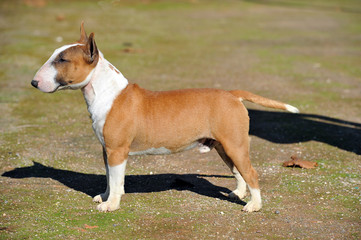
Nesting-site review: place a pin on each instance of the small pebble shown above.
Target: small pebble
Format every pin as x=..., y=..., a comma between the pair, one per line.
x=59, y=39
x=277, y=212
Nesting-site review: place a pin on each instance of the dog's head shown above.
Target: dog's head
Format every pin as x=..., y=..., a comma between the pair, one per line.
x=69, y=67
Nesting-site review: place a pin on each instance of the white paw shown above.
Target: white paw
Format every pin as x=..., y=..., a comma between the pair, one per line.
x=108, y=206
x=252, y=206
x=100, y=198
x=204, y=149
x=237, y=194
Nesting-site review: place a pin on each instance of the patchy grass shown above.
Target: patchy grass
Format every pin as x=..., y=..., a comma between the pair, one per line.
x=302, y=53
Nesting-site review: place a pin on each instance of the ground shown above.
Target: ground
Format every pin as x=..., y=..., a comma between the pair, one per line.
x=305, y=54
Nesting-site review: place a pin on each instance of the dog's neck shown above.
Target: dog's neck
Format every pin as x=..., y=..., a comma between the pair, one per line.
x=106, y=83
x=105, y=79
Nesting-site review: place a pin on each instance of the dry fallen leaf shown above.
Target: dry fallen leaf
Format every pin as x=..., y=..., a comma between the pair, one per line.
x=296, y=162
x=89, y=227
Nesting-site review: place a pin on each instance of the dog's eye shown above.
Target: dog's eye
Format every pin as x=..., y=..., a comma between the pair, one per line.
x=62, y=60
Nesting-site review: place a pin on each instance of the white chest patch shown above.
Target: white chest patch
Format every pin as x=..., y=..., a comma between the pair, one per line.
x=104, y=86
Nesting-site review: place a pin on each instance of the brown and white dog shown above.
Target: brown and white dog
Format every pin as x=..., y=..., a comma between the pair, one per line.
x=129, y=120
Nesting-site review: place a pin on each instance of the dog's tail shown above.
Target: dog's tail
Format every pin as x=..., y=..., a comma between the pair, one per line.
x=266, y=102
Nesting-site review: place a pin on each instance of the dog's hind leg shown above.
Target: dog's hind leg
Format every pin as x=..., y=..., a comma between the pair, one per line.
x=234, y=139
x=240, y=191
x=104, y=196
x=239, y=155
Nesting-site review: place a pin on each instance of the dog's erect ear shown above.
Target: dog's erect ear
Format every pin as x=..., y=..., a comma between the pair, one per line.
x=83, y=36
x=91, y=50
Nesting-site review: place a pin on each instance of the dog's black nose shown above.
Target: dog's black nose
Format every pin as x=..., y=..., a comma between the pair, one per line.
x=35, y=83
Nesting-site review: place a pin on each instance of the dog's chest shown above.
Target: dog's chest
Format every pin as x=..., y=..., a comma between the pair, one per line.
x=98, y=109
x=98, y=116
x=100, y=95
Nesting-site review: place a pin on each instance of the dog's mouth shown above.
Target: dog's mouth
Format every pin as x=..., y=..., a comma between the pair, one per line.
x=62, y=87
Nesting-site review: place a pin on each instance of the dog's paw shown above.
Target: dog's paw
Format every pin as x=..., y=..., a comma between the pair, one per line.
x=204, y=149
x=100, y=198
x=237, y=194
x=252, y=206
x=108, y=206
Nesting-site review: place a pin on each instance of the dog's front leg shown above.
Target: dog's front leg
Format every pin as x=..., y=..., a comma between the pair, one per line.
x=116, y=188
x=116, y=168
x=104, y=196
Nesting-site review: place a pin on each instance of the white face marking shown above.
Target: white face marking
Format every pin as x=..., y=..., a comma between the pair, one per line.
x=46, y=75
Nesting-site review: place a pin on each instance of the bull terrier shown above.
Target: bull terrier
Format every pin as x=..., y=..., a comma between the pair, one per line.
x=130, y=120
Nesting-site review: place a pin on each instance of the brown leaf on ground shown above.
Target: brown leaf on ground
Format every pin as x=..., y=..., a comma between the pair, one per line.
x=296, y=162
x=89, y=227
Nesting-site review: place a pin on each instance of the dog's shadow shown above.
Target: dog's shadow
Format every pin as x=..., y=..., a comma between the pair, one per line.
x=93, y=184
x=285, y=128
